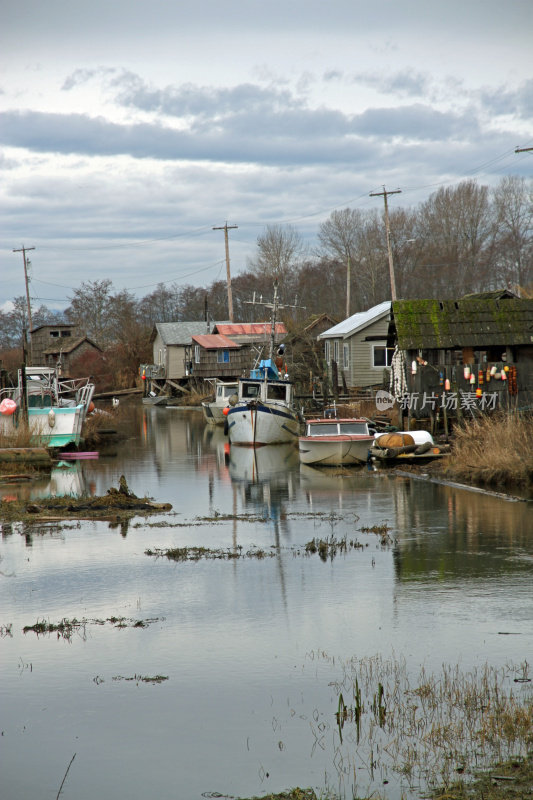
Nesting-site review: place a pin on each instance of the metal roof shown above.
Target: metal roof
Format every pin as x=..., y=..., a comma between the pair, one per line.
x=248, y=328
x=214, y=341
x=181, y=333
x=356, y=322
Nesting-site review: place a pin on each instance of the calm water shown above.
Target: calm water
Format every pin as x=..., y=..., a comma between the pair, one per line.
x=250, y=648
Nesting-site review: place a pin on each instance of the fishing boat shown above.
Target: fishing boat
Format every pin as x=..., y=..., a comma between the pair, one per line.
x=335, y=442
x=214, y=409
x=264, y=411
x=56, y=408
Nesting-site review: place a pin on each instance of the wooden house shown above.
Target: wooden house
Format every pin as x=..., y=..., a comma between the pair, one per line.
x=169, y=342
x=356, y=350
x=47, y=337
x=213, y=355
x=480, y=346
x=63, y=344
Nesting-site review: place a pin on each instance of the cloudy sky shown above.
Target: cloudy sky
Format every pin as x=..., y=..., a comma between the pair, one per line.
x=129, y=129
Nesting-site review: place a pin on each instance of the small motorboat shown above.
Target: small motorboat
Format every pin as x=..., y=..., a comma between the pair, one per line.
x=336, y=442
x=214, y=409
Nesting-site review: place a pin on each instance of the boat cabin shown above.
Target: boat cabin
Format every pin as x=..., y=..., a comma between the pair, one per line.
x=258, y=389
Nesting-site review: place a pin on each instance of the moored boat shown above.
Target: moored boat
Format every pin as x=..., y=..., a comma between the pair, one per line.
x=56, y=408
x=264, y=412
x=214, y=409
x=335, y=442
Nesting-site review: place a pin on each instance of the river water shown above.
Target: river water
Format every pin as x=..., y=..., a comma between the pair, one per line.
x=220, y=676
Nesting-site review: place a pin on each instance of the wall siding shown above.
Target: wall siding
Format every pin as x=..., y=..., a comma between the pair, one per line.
x=361, y=372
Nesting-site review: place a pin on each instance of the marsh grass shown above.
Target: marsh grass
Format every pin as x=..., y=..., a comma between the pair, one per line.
x=66, y=628
x=198, y=553
x=331, y=546
x=431, y=732
x=495, y=450
x=21, y=437
x=96, y=426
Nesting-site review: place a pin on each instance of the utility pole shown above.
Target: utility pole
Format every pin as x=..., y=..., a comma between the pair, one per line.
x=384, y=194
x=225, y=228
x=24, y=250
x=348, y=271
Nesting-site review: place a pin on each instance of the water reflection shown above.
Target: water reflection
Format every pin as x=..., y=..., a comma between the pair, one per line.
x=234, y=635
x=64, y=480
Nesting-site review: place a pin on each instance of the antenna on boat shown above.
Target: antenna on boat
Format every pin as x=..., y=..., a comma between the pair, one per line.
x=275, y=305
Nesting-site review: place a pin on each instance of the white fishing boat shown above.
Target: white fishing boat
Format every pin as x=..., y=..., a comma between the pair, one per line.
x=56, y=408
x=214, y=409
x=264, y=412
x=335, y=442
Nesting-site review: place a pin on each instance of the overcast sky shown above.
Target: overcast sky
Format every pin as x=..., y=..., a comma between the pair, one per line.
x=130, y=128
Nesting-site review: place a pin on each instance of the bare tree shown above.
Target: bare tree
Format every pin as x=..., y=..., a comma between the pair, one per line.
x=340, y=238
x=458, y=226
x=513, y=202
x=90, y=309
x=162, y=305
x=280, y=248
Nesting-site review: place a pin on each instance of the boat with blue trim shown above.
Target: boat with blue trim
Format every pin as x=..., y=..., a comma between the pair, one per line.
x=264, y=412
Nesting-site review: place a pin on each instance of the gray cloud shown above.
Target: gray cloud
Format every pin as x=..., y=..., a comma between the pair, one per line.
x=404, y=83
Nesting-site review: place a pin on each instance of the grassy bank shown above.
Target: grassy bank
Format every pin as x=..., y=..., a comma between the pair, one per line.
x=494, y=451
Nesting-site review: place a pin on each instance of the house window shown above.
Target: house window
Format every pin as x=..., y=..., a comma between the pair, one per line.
x=160, y=357
x=65, y=333
x=345, y=356
x=382, y=355
x=327, y=350
x=336, y=351
x=223, y=356
x=197, y=353
x=54, y=334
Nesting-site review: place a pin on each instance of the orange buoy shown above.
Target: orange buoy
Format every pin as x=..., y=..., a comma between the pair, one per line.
x=225, y=411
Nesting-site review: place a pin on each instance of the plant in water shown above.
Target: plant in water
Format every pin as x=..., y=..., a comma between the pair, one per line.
x=428, y=730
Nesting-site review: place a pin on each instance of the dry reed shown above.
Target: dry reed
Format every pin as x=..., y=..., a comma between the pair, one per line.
x=495, y=450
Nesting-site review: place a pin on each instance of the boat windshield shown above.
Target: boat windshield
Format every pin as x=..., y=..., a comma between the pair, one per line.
x=353, y=427
x=322, y=429
x=276, y=391
x=250, y=390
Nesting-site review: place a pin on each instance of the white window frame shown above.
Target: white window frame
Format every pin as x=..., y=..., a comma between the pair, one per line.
x=327, y=351
x=336, y=350
x=346, y=356
x=222, y=356
x=388, y=355
x=196, y=353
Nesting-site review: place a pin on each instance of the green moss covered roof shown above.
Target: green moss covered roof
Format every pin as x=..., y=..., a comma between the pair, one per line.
x=469, y=322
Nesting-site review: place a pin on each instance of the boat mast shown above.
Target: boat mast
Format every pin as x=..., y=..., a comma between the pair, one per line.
x=273, y=320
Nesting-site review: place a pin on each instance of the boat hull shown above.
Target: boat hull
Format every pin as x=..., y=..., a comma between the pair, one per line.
x=213, y=413
x=334, y=451
x=261, y=423
x=49, y=427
